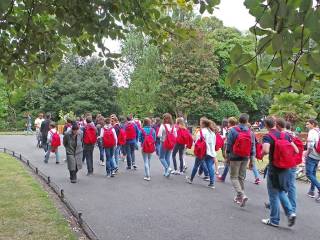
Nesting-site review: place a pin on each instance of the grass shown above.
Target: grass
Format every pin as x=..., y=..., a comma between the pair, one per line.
x=26, y=211
x=13, y=133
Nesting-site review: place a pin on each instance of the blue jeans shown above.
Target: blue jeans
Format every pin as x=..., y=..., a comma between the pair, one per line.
x=116, y=156
x=208, y=161
x=225, y=171
x=109, y=161
x=178, y=148
x=101, y=152
x=203, y=169
x=47, y=155
x=88, y=156
x=165, y=157
x=146, y=160
x=130, y=148
x=255, y=170
x=311, y=172
x=158, y=147
x=292, y=192
x=276, y=197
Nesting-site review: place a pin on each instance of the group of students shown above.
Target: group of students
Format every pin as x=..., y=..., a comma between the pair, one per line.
x=237, y=141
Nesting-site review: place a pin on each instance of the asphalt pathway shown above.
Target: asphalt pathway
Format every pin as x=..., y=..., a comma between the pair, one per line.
x=127, y=207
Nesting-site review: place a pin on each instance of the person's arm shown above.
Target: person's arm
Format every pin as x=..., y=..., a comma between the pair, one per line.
x=65, y=140
x=160, y=131
x=115, y=136
x=253, y=146
x=230, y=140
x=141, y=137
x=101, y=132
x=311, y=141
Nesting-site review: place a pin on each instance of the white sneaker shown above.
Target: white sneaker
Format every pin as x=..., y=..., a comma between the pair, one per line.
x=103, y=163
x=173, y=172
x=181, y=173
x=147, y=178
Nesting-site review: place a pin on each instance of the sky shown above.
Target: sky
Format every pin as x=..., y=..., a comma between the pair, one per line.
x=231, y=12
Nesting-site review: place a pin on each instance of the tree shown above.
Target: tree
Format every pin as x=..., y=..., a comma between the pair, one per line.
x=294, y=107
x=35, y=35
x=225, y=109
x=287, y=31
x=189, y=74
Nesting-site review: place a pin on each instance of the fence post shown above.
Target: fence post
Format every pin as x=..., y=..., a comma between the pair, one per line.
x=20, y=157
x=37, y=170
x=49, y=180
x=4, y=150
x=13, y=154
x=80, y=217
x=28, y=162
x=62, y=193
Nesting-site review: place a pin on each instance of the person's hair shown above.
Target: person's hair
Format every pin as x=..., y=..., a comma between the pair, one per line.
x=48, y=115
x=180, y=121
x=69, y=120
x=243, y=118
x=146, y=122
x=270, y=122
x=232, y=121
x=224, y=123
x=288, y=125
x=114, y=118
x=122, y=119
x=89, y=119
x=52, y=124
x=313, y=122
x=107, y=120
x=129, y=117
x=280, y=123
x=167, y=118
x=157, y=120
x=206, y=123
x=75, y=126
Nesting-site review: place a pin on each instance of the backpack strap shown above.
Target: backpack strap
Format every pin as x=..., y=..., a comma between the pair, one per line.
x=165, y=126
x=201, y=135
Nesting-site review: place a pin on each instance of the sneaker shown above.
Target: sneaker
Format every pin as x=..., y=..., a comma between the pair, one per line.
x=244, y=201
x=181, y=173
x=188, y=180
x=220, y=179
x=147, y=178
x=211, y=185
x=100, y=163
x=57, y=162
x=185, y=168
x=116, y=170
x=237, y=199
x=269, y=223
x=128, y=168
x=135, y=167
x=311, y=194
x=113, y=174
x=108, y=175
x=73, y=181
x=257, y=181
x=318, y=198
x=206, y=179
x=292, y=219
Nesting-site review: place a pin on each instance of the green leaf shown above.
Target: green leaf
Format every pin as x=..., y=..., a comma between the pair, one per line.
x=264, y=43
x=4, y=5
x=235, y=54
x=202, y=7
x=277, y=42
x=305, y=5
x=259, y=31
x=267, y=20
x=245, y=76
x=314, y=62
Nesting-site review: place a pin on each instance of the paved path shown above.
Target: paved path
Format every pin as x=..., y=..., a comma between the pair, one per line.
x=127, y=207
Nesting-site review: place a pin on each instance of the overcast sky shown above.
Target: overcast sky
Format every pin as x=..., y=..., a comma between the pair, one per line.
x=232, y=12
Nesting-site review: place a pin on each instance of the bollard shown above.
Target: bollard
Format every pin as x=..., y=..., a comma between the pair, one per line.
x=4, y=150
x=80, y=217
x=62, y=193
x=37, y=172
x=20, y=157
x=28, y=162
x=48, y=180
x=13, y=154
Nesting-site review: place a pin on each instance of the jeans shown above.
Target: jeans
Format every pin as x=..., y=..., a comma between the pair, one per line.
x=178, y=148
x=47, y=155
x=311, y=172
x=208, y=161
x=255, y=170
x=292, y=192
x=276, y=197
x=203, y=169
x=130, y=147
x=146, y=160
x=225, y=171
x=109, y=162
x=165, y=156
x=238, y=175
x=158, y=147
x=88, y=156
x=116, y=156
x=101, y=152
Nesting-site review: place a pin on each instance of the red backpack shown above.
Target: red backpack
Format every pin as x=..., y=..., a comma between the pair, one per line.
x=259, y=150
x=170, y=139
x=300, y=146
x=148, y=145
x=122, y=138
x=284, y=155
x=219, y=142
x=182, y=136
x=130, y=131
x=90, y=135
x=200, y=147
x=242, y=144
x=55, y=139
x=317, y=146
x=108, y=138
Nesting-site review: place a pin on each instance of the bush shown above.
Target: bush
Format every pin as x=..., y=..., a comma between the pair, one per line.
x=223, y=110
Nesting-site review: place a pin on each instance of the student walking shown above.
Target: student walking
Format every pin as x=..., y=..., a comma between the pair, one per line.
x=37, y=124
x=205, y=150
x=99, y=126
x=313, y=157
x=132, y=137
x=156, y=127
x=73, y=141
x=278, y=172
x=147, y=139
x=44, y=129
x=53, y=143
x=109, y=139
x=167, y=134
x=240, y=148
x=121, y=135
x=89, y=141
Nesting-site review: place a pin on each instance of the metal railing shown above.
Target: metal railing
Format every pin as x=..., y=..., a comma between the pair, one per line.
x=59, y=191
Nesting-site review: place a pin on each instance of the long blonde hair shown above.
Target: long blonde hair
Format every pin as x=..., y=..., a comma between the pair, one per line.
x=181, y=123
x=206, y=123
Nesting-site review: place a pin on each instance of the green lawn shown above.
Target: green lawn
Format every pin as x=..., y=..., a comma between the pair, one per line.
x=26, y=211
x=14, y=133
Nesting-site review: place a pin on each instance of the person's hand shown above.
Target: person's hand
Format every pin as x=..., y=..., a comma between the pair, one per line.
x=250, y=164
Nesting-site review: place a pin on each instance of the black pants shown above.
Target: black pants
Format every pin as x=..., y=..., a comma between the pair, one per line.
x=88, y=156
x=178, y=148
x=73, y=174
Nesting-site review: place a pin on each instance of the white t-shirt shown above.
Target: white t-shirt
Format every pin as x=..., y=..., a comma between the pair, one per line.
x=313, y=139
x=210, y=138
x=38, y=122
